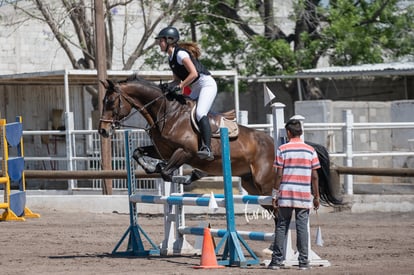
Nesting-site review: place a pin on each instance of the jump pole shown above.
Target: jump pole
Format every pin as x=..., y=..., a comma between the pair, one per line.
x=232, y=254
x=180, y=199
x=231, y=241
x=135, y=246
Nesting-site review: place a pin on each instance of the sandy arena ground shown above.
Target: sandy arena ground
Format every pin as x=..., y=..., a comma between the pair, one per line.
x=64, y=243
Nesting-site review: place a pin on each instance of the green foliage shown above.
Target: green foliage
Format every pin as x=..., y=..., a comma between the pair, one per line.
x=269, y=57
x=358, y=34
x=345, y=31
x=237, y=34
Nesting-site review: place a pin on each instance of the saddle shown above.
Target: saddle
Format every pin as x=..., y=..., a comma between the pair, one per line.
x=218, y=120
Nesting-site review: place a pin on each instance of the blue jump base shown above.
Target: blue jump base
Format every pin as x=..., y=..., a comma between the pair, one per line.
x=232, y=254
x=231, y=243
x=135, y=246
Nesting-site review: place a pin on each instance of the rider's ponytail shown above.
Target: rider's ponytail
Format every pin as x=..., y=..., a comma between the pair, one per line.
x=191, y=47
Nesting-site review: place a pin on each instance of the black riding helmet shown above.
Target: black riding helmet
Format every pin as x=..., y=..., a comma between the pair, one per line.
x=170, y=34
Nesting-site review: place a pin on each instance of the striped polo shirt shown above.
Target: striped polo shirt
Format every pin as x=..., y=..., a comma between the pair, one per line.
x=297, y=160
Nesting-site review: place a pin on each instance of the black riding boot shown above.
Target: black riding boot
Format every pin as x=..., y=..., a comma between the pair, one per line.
x=205, y=150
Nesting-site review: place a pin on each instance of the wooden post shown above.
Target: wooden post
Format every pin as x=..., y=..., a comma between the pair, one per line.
x=100, y=63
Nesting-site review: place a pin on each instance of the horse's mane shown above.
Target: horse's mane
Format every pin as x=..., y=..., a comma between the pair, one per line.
x=170, y=96
x=136, y=78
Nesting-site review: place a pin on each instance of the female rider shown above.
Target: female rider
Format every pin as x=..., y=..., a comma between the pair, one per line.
x=188, y=71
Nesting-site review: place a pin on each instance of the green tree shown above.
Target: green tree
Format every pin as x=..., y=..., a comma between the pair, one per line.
x=247, y=36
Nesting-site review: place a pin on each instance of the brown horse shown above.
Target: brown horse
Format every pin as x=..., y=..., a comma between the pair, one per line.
x=176, y=141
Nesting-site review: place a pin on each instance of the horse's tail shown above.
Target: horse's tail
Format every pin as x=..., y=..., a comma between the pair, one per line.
x=326, y=190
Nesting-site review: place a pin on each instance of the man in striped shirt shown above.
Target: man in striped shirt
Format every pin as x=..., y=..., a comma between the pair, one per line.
x=296, y=164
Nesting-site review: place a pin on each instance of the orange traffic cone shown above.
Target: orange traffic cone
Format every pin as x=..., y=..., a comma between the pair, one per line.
x=208, y=256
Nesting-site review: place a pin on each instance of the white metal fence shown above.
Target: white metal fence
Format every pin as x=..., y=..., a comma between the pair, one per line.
x=85, y=155
x=374, y=148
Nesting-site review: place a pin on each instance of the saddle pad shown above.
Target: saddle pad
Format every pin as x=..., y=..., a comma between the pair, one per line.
x=231, y=125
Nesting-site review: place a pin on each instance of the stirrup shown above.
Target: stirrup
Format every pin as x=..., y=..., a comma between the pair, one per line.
x=205, y=153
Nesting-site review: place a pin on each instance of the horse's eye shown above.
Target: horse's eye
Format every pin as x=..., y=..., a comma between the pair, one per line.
x=108, y=102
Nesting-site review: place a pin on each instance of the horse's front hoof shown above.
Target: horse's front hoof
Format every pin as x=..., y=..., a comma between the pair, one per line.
x=159, y=167
x=184, y=180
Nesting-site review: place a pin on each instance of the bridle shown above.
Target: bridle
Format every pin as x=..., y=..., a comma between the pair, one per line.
x=116, y=123
x=161, y=116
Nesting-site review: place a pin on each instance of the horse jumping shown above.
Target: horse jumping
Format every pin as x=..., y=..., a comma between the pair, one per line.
x=176, y=140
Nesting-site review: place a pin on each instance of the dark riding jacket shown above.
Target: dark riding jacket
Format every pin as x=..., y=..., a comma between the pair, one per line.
x=180, y=70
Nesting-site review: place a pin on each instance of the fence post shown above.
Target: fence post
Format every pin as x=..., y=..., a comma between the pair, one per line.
x=243, y=118
x=70, y=147
x=279, y=132
x=347, y=145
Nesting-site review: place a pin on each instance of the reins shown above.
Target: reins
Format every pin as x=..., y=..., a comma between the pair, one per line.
x=143, y=110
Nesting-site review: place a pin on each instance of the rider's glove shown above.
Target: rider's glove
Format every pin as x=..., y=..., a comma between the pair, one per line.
x=169, y=88
x=170, y=91
x=173, y=89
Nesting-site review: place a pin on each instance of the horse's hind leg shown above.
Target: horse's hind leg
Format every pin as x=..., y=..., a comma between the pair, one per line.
x=248, y=185
x=196, y=174
x=178, y=158
x=262, y=177
x=148, y=158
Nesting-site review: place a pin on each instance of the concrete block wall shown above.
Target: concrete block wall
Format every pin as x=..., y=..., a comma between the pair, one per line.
x=316, y=111
x=372, y=140
x=403, y=139
x=365, y=112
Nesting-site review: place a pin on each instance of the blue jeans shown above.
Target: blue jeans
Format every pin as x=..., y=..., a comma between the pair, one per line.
x=283, y=220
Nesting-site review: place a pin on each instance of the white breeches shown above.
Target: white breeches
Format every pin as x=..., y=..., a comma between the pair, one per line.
x=204, y=90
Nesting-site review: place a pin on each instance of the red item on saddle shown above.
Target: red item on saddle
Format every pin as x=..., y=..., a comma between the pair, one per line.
x=187, y=91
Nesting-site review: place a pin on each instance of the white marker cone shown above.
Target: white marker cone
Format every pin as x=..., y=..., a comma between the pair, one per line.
x=319, y=241
x=212, y=204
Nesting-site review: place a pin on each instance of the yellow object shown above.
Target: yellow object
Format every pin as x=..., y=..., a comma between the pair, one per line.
x=8, y=214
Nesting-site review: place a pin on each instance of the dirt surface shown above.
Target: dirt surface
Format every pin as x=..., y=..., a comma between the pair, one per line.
x=64, y=243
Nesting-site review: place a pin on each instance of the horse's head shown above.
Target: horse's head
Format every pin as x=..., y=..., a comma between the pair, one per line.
x=147, y=98
x=114, y=109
